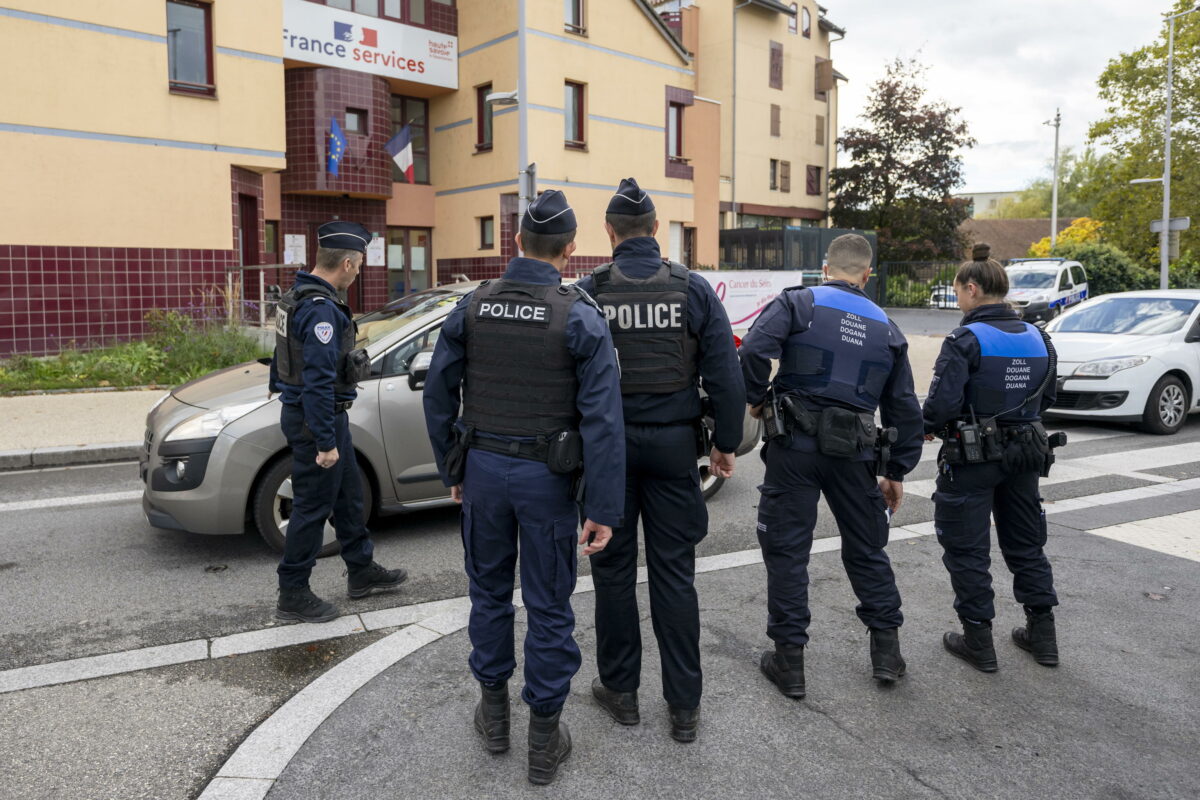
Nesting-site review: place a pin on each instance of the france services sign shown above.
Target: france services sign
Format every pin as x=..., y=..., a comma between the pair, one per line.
x=329, y=36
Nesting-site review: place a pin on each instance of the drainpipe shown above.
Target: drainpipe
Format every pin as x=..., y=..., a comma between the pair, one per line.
x=524, y=185
x=829, y=138
x=733, y=165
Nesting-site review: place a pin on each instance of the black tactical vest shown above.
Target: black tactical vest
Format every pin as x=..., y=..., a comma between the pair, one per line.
x=649, y=323
x=520, y=378
x=1012, y=367
x=844, y=355
x=289, y=347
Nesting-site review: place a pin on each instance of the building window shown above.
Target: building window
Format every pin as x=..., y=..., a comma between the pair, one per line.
x=573, y=20
x=806, y=23
x=675, y=131
x=368, y=7
x=483, y=118
x=573, y=114
x=344, y=5
x=413, y=112
x=356, y=120
x=812, y=184
x=271, y=236
x=487, y=233
x=785, y=176
x=189, y=47
x=774, y=174
x=776, y=119
x=793, y=24
x=820, y=130
x=824, y=78
x=775, y=70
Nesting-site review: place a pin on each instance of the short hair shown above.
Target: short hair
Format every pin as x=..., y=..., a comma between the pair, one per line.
x=849, y=253
x=330, y=258
x=627, y=226
x=983, y=271
x=545, y=246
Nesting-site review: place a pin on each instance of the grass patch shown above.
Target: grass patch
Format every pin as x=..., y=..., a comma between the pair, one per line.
x=178, y=348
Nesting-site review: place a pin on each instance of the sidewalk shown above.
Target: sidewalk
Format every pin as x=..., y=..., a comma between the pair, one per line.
x=1118, y=718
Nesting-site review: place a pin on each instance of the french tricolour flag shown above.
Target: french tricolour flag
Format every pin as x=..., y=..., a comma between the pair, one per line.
x=399, y=147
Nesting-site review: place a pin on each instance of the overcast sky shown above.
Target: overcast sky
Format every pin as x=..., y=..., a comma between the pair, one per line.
x=1007, y=64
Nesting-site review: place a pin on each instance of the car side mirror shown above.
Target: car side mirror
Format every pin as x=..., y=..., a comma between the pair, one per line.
x=418, y=370
x=1194, y=336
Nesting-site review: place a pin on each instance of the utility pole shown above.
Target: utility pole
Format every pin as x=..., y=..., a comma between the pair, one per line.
x=1055, y=123
x=1164, y=236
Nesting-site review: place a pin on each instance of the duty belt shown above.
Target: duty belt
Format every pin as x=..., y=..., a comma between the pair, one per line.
x=537, y=450
x=342, y=405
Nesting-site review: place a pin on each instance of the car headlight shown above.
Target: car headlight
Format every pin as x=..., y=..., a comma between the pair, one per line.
x=210, y=423
x=1104, y=367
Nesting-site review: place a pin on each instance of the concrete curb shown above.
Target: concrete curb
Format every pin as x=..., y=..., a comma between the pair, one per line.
x=68, y=456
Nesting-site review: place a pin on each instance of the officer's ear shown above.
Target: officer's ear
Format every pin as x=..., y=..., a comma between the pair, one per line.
x=517, y=239
x=654, y=230
x=569, y=249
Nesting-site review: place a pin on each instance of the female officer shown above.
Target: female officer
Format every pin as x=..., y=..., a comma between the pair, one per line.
x=993, y=378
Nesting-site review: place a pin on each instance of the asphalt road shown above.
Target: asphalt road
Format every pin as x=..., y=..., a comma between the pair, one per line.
x=79, y=580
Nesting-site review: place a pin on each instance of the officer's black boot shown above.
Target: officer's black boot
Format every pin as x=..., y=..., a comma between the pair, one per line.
x=549, y=746
x=684, y=724
x=301, y=604
x=973, y=645
x=887, y=665
x=491, y=717
x=785, y=667
x=374, y=578
x=621, y=706
x=1038, y=637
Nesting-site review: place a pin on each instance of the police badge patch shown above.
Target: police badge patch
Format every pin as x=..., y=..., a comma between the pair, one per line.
x=324, y=331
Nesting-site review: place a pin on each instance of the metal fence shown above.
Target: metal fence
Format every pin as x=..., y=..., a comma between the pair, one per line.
x=790, y=248
x=917, y=284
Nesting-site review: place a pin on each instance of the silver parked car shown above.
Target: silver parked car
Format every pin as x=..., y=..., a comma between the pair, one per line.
x=215, y=460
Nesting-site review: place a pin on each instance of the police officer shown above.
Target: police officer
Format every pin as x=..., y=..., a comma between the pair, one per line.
x=993, y=378
x=317, y=369
x=671, y=332
x=840, y=357
x=538, y=377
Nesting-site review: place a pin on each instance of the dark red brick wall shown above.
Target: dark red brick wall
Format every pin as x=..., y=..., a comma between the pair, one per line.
x=302, y=214
x=478, y=269
x=443, y=19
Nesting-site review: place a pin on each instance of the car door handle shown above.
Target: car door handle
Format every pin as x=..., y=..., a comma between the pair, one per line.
x=389, y=387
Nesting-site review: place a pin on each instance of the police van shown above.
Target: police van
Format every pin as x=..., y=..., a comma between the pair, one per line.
x=1042, y=288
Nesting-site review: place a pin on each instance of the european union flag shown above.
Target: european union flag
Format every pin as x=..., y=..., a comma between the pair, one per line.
x=337, y=146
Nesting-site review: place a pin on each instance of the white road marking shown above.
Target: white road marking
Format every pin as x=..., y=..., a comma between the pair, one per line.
x=79, y=669
x=70, y=502
x=1176, y=534
x=285, y=636
x=73, y=467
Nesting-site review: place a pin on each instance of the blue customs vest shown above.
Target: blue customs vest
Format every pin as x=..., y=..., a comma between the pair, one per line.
x=1012, y=367
x=289, y=346
x=520, y=378
x=843, y=356
x=649, y=323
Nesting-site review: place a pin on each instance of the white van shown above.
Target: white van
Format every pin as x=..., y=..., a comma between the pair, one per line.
x=1042, y=288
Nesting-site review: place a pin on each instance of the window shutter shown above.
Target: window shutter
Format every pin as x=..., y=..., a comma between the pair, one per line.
x=820, y=129
x=775, y=114
x=785, y=176
x=776, y=68
x=813, y=180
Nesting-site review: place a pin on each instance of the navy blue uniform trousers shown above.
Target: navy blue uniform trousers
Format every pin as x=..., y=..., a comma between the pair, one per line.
x=509, y=505
x=787, y=514
x=317, y=493
x=963, y=503
x=662, y=487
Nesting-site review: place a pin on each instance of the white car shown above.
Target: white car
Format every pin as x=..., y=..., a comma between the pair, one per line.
x=1042, y=288
x=1130, y=357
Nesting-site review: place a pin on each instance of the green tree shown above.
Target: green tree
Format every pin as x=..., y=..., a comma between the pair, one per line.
x=1109, y=269
x=904, y=165
x=1075, y=172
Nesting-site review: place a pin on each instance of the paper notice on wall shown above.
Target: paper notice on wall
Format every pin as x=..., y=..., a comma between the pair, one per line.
x=377, y=252
x=294, y=247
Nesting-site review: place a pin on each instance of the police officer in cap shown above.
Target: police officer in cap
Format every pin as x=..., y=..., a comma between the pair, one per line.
x=317, y=368
x=533, y=363
x=840, y=358
x=993, y=378
x=671, y=332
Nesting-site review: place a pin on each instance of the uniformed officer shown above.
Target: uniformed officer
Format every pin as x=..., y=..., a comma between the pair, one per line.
x=538, y=378
x=317, y=369
x=671, y=332
x=840, y=357
x=993, y=378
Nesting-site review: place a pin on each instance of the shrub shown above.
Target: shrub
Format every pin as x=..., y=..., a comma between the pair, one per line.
x=1109, y=269
x=1084, y=230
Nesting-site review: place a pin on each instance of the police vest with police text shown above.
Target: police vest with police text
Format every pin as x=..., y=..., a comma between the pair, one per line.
x=520, y=377
x=649, y=323
x=1012, y=367
x=289, y=343
x=843, y=356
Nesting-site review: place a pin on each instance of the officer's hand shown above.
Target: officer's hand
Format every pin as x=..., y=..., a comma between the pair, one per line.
x=721, y=464
x=756, y=411
x=893, y=493
x=598, y=534
x=327, y=458
x=456, y=493
x=929, y=437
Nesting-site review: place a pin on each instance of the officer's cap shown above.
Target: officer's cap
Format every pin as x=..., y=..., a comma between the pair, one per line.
x=343, y=236
x=549, y=214
x=630, y=200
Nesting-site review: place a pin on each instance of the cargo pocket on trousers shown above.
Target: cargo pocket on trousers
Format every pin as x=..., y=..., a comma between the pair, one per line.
x=949, y=513
x=467, y=538
x=565, y=567
x=1043, y=530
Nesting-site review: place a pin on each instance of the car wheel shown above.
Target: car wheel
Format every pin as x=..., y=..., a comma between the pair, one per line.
x=273, y=507
x=1166, y=407
x=710, y=482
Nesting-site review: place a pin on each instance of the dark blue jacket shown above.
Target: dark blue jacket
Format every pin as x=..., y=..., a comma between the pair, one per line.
x=720, y=372
x=599, y=398
x=792, y=312
x=960, y=360
x=320, y=363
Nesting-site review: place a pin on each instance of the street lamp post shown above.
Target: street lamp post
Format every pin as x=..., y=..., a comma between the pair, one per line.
x=1055, y=123
x=1164, y=234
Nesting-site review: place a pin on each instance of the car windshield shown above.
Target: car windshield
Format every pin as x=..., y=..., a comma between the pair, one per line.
x=1138, y=316
x=1032, y=279
x=377, y=324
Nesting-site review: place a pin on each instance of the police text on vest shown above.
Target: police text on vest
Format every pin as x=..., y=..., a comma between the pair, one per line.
x=1018, y=374
x=853, y=329
x=641, y=316
x=513, y=311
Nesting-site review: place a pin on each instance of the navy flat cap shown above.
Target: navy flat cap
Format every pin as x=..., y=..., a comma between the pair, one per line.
x=630, y=200
x=344, y=236
x=549, y=213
